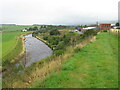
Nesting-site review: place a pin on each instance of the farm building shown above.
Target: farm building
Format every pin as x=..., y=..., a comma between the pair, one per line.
x=105, y=26
x=24, y=30
x=94, y=28
x=79, y=32
x=87, y=28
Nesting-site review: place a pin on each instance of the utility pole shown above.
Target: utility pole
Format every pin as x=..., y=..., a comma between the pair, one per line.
x=119, y=12
x=97, y=23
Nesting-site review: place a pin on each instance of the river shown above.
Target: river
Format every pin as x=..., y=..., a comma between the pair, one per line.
x=35, y=51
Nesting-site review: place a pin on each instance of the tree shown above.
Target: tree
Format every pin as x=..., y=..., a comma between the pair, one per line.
x=45, y=37
x=117, y=24
x=81, y=26
x=85, y=26
x=90, y=32
x=30, y=29
x=54, y=32
x=35, y=28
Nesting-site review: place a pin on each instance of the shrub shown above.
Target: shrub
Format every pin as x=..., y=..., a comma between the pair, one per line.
x=58, y=52
x=54, y=32
x=90, y=32
x=104, y=30
x=35, y=28
x=77, y=49
x=117, y=24
x=34, y=34
x=60, y=46
x=118, y=28
x=45, y=37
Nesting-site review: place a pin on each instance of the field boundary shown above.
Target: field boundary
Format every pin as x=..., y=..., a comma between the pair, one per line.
x=115, y=32
x=23, y=46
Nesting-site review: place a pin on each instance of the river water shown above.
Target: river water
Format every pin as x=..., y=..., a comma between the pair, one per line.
x=35, y=51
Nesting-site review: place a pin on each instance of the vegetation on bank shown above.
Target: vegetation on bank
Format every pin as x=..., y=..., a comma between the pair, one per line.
x=60, y=40
x=94, y=66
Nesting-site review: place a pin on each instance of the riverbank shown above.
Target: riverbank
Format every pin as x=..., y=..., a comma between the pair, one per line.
x=65, y=45
x=93, y=66
x=35, y=50
x=42, y=69
x=16, y=52
x=44, y=42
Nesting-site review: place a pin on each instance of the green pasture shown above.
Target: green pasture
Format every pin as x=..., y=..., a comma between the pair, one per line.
x=8, y=41
x=11, y=45
x=94, y=66
x=14, y=28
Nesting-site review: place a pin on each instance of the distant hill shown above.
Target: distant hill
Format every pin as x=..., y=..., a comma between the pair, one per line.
x=7, y=24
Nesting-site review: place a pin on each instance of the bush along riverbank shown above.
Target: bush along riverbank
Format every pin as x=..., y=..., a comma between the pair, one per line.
x=60, y=40
x=64, y=46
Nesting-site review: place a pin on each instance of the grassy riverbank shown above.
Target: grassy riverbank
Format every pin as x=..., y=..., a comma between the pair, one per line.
x=42, y=68
x=12, y=46
x=94, y=66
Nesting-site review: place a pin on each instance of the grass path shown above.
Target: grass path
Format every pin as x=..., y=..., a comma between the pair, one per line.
x=94, y=66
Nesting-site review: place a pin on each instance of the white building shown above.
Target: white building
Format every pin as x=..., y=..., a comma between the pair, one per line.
x=24, y=30
x=87, y=28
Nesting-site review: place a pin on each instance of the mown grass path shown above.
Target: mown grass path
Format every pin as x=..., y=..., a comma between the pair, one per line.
x=94, y=66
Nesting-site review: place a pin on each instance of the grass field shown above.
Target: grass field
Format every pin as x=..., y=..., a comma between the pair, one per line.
x=14, y=28
x=11, y=45
x=94, y=66
x=8, y=41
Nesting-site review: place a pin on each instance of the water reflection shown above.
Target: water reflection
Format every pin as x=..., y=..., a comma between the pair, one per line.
x=35, y=50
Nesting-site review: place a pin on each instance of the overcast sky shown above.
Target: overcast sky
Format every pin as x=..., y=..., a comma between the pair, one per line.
x=58, y=11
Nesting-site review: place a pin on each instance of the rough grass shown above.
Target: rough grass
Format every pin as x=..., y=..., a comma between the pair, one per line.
x=94, y=66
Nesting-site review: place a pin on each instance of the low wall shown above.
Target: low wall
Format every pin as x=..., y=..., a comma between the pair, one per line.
x=115, y=32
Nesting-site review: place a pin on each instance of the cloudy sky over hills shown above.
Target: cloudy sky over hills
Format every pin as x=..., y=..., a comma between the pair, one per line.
x=58, y=11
